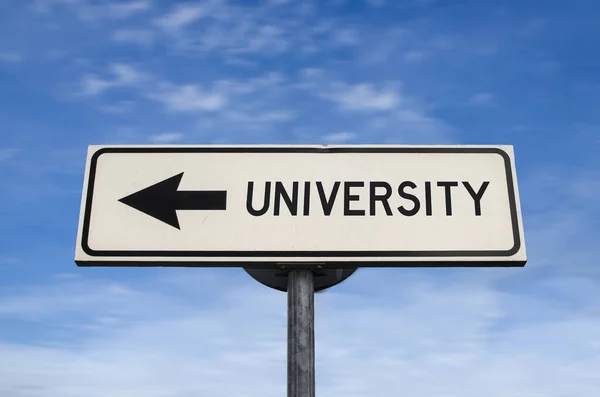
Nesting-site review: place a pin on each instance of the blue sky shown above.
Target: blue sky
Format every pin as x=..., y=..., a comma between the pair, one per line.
x=80, y=72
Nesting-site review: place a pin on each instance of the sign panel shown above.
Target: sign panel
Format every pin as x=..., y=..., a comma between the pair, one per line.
x=254, y=206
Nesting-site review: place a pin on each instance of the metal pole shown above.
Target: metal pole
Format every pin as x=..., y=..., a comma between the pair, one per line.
x=301, y=333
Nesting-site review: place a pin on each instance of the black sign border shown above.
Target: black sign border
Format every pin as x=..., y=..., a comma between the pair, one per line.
x=304, y=254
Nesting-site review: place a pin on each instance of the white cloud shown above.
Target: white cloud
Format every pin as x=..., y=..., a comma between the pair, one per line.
x=134, y=36
x=189, y=98
x=242, y=30
x=248, y=101
x=363, y=97
x=167, y=137
x=122, y=75
x=385, y=113
x=92, y=85
x=372, y=339
x=181, y=16
x=357, y=97
x=126, y=74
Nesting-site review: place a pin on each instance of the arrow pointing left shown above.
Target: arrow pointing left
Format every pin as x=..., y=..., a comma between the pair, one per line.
x=162, y=200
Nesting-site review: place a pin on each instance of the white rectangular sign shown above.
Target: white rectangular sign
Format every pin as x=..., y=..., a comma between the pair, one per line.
x=254, y=206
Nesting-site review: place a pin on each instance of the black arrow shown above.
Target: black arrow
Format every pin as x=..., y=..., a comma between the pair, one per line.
x=161, y=200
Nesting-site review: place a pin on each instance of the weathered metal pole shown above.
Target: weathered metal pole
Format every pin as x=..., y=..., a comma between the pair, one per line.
x=301, y=333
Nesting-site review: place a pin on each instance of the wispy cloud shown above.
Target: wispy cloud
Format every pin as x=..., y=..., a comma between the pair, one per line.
x=189, y=98
x=242, y=98
x=122, y=75
x=238, y=32
x=123, y=327
x=181, y=16
x=92, y=85
x=363, y=97
x=385, y=111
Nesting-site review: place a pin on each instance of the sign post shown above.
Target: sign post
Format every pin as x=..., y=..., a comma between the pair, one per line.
x=301, y=334
x=301, y=218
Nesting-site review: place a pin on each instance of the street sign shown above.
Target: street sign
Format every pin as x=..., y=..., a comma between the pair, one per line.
x=339, y=206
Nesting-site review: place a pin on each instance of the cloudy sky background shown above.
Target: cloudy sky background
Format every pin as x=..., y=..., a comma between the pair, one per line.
x=79, y=72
